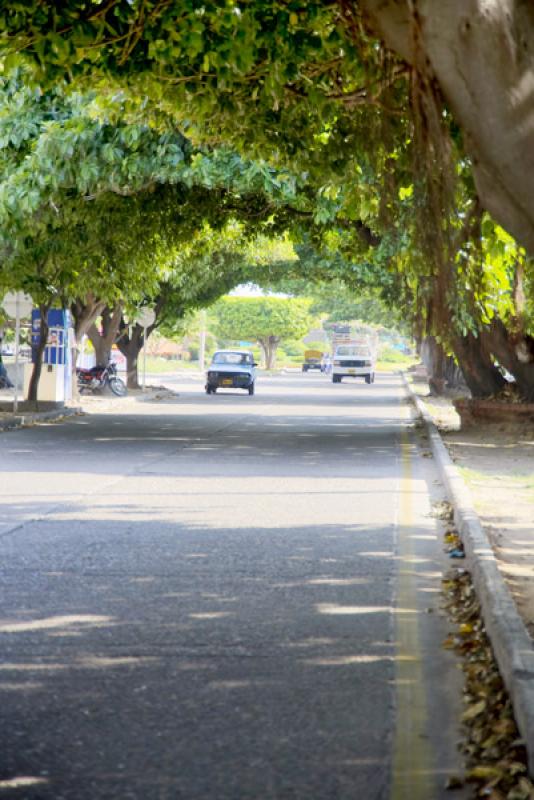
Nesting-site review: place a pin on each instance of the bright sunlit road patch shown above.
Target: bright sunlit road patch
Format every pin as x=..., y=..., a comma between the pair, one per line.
x=21, y=782
x=331, y=608
x=53, y=622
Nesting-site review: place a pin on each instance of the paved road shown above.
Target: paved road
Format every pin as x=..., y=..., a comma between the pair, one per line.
x=225, y=598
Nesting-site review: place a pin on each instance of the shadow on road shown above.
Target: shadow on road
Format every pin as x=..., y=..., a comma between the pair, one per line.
x=149, y=660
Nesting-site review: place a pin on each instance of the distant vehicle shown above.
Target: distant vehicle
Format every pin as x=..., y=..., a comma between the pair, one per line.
x=353, y=360
x=312, y=360
x=7, y=350
x=231, y=369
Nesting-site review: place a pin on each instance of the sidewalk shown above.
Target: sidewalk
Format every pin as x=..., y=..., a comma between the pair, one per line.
x=85, y=404
x=488, y=470
x=497, y=463
x=9, y=420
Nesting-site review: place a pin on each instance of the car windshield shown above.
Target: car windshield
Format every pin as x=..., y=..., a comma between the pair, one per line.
x=363, y=352
x=233, y=358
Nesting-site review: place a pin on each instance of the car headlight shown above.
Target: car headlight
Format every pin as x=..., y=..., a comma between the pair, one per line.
x=367, y=363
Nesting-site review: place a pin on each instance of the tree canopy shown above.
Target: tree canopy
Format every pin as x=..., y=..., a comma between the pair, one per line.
x=266, y=320
x=380, y=133
x=315, y=83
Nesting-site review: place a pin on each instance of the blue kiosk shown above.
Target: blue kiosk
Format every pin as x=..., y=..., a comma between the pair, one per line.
x=55, y=384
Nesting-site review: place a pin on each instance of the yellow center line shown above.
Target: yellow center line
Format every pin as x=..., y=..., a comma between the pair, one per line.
x=412, y=777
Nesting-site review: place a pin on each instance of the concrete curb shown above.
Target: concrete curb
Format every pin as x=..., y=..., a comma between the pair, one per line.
x=511, y=642
x=31, y=418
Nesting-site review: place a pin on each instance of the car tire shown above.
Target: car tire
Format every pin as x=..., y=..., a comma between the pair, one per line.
x=251, y=389
x=369, y=378
x=336, y=378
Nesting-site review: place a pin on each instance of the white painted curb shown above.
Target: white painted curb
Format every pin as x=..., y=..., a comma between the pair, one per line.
x=511, y=642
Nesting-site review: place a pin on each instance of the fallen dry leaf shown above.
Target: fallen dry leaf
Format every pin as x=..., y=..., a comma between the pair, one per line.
x=485, y=772
x=442, y=510
x=454, y=782
x=495, y=754
x=474, y=710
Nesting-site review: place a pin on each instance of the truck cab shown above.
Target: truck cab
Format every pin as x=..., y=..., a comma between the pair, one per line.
x=353, y=360
x=312, y=360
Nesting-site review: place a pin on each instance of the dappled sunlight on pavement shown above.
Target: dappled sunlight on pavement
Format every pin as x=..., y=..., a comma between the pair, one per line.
x=202, y=599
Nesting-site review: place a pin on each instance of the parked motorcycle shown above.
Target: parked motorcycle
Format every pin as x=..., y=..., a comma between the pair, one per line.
x=98, y=378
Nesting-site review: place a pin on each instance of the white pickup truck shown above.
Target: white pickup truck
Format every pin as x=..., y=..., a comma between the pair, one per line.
x=353, y=360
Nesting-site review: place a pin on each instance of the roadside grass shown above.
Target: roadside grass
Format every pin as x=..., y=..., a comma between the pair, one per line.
x=157, y=365
x=402, y=363
x=518, y=480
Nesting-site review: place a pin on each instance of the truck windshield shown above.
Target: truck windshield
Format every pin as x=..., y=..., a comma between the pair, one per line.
x=345, y=350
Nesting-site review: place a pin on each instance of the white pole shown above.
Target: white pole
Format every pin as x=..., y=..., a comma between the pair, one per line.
x=144, y=357
x=17, y=339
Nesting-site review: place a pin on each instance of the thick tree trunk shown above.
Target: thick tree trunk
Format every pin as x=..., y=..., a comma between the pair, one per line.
x=480, y=54
x=103, y=340
x=132, y=369
x=443, y=371
x=132, y=339
x=130, y=343
x=102, y=348
x=453, y=375
x=434, y=359
x=515, y=352
x=84, y=312
x=481, y=375
x=38, y=353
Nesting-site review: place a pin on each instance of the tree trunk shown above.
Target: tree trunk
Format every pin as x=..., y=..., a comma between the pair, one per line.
x=481, y=375
x=443, y=371
x=453, y=374
x=434, y=359
x=103, y=340
x=132, y=368
x=101, y=346
x=479, y=53
x=84, y=312
x=515, y=352
x=269, y=345
x=132, y=339
x=38, y=353
x=130, y=343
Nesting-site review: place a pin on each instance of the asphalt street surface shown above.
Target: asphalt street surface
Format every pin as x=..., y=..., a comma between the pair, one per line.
x=225, y=598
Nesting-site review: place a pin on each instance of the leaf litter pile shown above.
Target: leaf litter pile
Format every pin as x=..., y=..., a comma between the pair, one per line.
x=494, y=752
